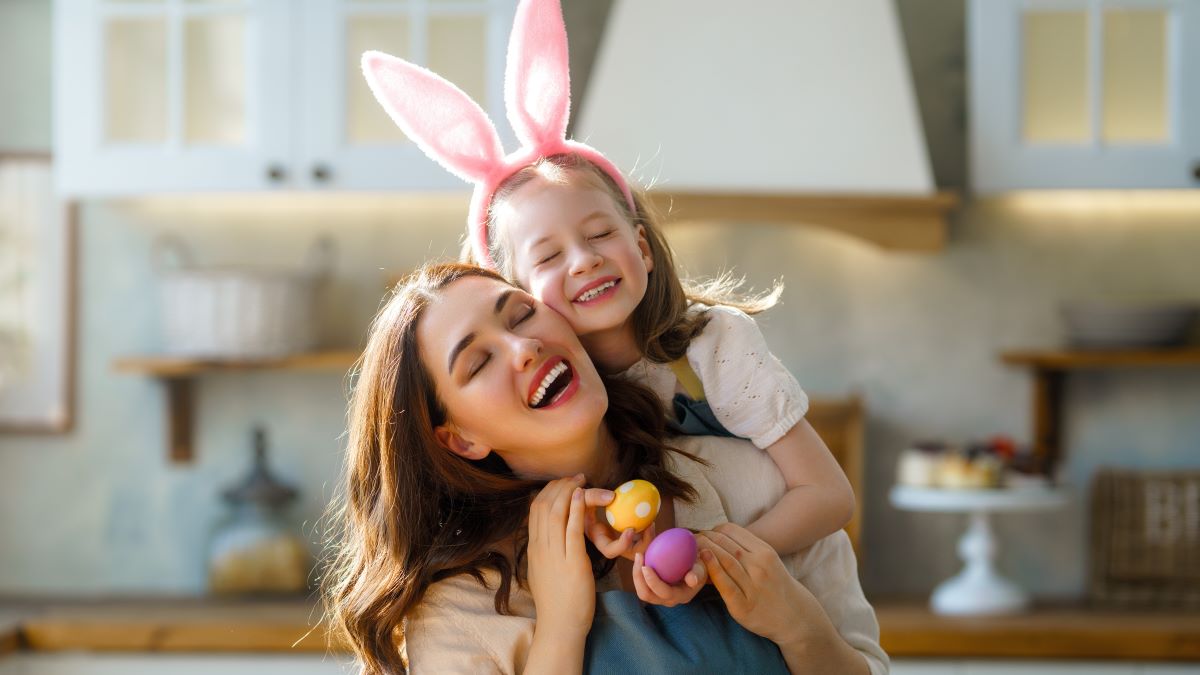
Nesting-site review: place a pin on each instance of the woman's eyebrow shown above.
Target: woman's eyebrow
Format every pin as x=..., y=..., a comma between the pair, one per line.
x=470, y=337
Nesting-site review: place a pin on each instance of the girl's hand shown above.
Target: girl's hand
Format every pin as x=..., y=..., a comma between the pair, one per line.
x=625, y=545
x=652, y=589
x=560, y=573
x=758, y=590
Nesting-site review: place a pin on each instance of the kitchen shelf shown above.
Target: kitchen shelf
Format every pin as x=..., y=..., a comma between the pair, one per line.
x=177, y=373
x=893, y=222
x=1050, y=368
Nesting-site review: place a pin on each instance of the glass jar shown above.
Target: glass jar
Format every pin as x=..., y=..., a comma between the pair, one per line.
x=256, y=549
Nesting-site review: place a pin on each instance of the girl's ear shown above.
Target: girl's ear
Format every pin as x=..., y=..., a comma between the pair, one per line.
x=644, y=247
x=449, y=438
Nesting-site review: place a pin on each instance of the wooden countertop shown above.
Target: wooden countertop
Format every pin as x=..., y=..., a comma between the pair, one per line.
x=908, y=630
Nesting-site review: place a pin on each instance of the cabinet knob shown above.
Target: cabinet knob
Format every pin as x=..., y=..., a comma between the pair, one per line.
x=1196, y=170
x=276, y=173
x=321, y=173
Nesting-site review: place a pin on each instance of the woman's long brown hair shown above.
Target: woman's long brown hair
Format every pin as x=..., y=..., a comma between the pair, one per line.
x=411, y=512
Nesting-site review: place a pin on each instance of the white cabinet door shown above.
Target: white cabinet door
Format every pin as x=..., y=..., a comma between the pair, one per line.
x=347, y=140
x=1084, y=94
x=171, y=95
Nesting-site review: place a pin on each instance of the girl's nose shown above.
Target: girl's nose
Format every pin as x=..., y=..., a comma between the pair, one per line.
x=584, y=260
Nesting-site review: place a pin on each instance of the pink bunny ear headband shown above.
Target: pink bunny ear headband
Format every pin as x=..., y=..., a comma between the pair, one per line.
x=455, y=132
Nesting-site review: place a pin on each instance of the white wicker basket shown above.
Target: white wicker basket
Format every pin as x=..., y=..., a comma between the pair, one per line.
x=238, y=312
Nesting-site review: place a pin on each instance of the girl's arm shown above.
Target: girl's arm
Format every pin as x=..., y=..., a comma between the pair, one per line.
x=819, y=500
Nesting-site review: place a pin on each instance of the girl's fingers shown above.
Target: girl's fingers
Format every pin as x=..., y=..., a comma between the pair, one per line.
x=639, y=581
x=609, y=547
x=659, y=587
x=697, y=576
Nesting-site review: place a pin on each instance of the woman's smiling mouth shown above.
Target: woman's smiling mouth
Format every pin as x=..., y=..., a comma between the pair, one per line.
x=556, y=379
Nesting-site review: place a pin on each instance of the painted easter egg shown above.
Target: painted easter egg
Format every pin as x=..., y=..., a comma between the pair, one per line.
x=672, y=554
x=635, y=504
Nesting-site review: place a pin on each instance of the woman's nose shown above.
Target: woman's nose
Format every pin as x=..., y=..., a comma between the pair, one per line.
x=525, y=351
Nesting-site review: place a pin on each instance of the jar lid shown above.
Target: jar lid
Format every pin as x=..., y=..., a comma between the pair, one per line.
x=260, y=486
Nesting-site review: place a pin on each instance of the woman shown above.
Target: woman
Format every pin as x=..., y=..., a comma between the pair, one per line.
x=472, y=399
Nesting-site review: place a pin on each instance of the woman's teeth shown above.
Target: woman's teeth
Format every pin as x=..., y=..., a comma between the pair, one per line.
x=546, y=382
x=595, y=292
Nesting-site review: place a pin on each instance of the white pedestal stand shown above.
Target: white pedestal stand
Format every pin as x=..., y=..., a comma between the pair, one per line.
x=978, y=589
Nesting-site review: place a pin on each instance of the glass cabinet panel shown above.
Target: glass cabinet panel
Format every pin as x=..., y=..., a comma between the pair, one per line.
x=458, y=51
x=1054, y=58
x=214, y=78
x=366, y=122
x=1134, y=82
x=135, y=79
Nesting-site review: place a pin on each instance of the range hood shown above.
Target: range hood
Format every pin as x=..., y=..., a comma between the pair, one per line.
x=777, y=110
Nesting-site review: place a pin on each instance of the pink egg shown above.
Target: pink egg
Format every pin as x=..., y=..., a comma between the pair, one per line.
x=672, y=554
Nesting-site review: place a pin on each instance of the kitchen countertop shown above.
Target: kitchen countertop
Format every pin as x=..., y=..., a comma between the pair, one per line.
x=908, y=630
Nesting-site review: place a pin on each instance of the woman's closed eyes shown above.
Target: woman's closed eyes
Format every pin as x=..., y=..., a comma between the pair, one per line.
x=523, y=314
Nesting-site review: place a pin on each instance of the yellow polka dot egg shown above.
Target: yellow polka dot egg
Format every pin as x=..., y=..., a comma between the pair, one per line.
x=635, y=505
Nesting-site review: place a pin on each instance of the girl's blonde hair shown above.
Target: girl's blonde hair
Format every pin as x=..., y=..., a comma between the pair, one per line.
x=662, y=324
x=411, y=513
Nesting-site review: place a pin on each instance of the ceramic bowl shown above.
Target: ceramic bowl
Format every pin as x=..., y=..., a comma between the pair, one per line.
x=1104, y=324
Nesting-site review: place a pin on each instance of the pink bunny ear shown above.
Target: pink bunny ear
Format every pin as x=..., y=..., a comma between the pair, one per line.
x=537, y=81
x=446, y=124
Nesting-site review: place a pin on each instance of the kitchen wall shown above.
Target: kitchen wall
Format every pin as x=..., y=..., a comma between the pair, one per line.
x=101, y=511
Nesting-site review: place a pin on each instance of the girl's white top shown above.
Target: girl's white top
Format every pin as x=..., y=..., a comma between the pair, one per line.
x=751, y=393
x=456, y=628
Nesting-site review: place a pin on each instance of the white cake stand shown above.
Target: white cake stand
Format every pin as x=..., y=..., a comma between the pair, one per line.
x=978, y=588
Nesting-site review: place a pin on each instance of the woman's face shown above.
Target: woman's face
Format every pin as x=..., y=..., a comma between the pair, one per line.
x=513, y=378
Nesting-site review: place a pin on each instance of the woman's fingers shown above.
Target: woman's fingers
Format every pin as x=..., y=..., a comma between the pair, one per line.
x=696, y=576
x=597, y=497
x=574, y=531
x=742, y=537
x=723, y=559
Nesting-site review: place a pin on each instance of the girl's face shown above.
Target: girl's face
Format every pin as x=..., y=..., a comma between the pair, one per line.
x=513, y=378
x=574, y=251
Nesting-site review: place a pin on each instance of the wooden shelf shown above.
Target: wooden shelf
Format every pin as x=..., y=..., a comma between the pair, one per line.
x=911, y=630
x=177, y=373
x=1080, y=359
x=1049, y=372
x=894, y=222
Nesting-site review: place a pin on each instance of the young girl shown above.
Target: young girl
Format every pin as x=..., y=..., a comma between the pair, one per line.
x=558, y=218
x=460, y=525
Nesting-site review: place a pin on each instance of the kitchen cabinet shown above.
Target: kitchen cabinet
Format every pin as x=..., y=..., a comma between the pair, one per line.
x=1071, y=94
x=160, y=96
x=912, y=667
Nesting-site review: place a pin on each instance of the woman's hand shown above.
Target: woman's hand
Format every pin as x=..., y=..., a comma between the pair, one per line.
x=560, y=573
x=652, y=589
x=758, y=590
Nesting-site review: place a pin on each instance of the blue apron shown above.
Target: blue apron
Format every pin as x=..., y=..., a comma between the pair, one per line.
x=629, y=636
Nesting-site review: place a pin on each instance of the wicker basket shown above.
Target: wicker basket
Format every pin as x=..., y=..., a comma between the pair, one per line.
x=1146, y=539
x=238, y=312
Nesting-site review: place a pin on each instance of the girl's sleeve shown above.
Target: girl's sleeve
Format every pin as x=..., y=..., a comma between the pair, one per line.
x=751, y=393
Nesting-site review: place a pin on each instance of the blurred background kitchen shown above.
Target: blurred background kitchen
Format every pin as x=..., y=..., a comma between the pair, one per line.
x=985, y=214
